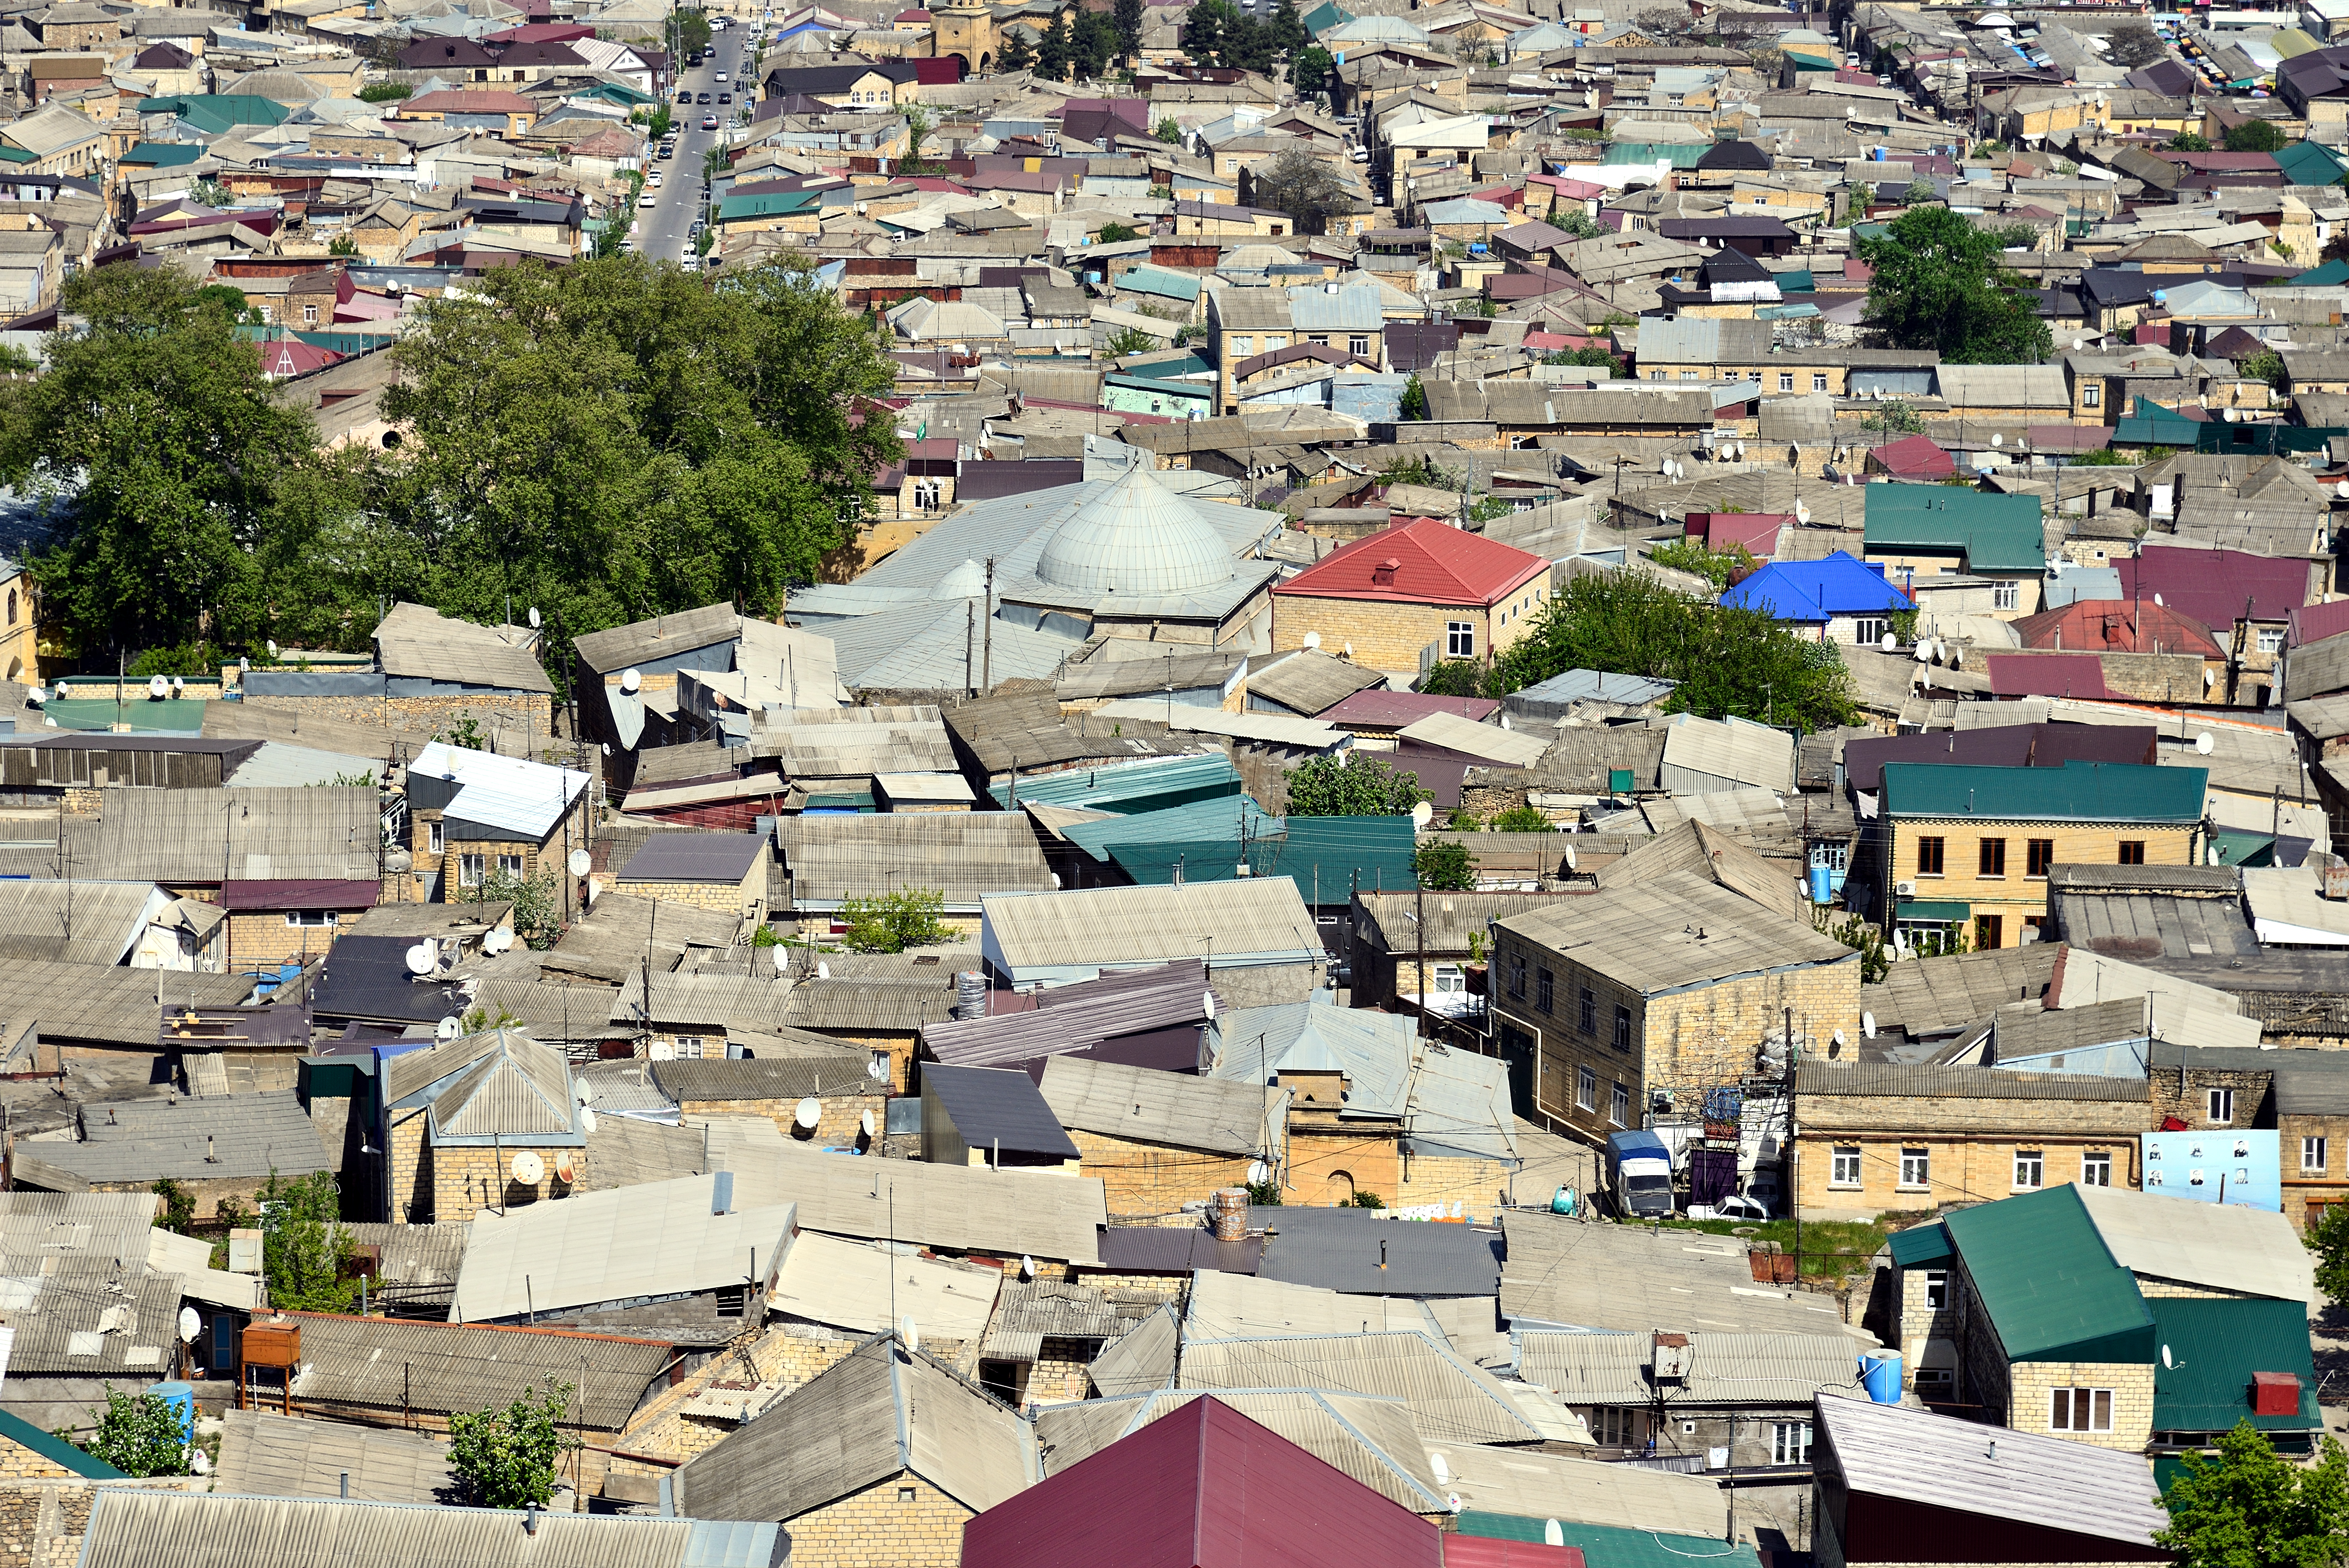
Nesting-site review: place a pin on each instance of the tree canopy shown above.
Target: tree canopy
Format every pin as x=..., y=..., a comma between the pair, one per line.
x=511, y=1457
x=1366, y=786
x=1939, y=285
x=2252, y=1509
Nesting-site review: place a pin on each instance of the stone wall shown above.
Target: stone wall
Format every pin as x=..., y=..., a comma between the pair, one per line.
x=2132, y=1386
x=465, y=1180
x=263, y=937
x=42, y=1523
x=841, y=1125
x=18, y=1462
x=1146, y=1178
x=1479, y=1186
x=900, y=1522
x=436, y=713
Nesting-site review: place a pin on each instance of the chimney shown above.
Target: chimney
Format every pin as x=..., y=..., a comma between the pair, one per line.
x=346, y=1484
x=722, y=1193
x=530, y=1520
x=1382, y=575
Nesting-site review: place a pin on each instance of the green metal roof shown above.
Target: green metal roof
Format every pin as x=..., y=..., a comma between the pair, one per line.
x=1124, y=788
x=219, y=111
x=1994, y=532
x=2330, y=276
x=2236, y=847
x=56, y=1451
x=1920, y=1246
x=767, y=204
x=1159, y=280
x=2077, y=792
x=1605, y=1546
x=143, y=714
x=2050, y=1285
x=2149, y=424
x=163, y=154
x=1203, y=835
x=2307, y=163
x=2214, y=1348
x=1326, y=855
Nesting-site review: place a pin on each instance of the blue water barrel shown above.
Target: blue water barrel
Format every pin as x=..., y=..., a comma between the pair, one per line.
x=1880, y=1375
x=181, y=1397
x=1822, y=885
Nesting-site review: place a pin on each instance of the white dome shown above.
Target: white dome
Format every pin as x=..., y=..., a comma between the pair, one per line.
x=967, y=580
x=1136, y=539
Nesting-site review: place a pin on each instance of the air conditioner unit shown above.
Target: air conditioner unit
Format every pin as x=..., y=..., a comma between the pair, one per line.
x=1904, y=890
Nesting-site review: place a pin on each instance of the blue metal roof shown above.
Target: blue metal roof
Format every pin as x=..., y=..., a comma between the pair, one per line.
x=1815, y=590
x=1156, y=784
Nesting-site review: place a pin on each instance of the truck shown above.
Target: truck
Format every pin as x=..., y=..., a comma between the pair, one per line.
x=1639, y=1175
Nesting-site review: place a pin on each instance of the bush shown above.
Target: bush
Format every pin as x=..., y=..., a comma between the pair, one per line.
x=1445, y=865
x=1463, y=820
x=1366, y=786
x=179, y=1206
x=511, y=1457
x=305, y=1251
x=1369, y=1200
x=138, y=1435
x=1454, y=677
x=894, y=921
x=384, y=92
x=537, y=905
x=1522, y=820
x=1264, y=1195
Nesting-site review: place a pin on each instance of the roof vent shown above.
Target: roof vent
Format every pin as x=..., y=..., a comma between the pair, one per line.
x=721, y=1192
x=1382, y=575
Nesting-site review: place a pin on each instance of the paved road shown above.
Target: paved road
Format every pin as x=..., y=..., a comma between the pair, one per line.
x=660, y=230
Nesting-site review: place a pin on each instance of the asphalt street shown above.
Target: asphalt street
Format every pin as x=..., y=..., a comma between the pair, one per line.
x=660, y=230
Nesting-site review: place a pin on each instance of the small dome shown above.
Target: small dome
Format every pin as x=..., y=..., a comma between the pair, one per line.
x=1136, y=538
x=967, y=580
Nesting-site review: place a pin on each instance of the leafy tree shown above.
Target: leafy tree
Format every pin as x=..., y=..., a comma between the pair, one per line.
x=2328, y=1238
x=1116, y=234
x=1690, y=555
x=138, y=1435
x=1369, y=1200
x=2133, y=44
x=2189, y=141
x=1366, y=786
x=1015, y=55
x=1662, y=25
x=1463, y=820
x=1595, y=358
x=1285, y=29
x=1413, y=404
x=692, y=31
x=537, y=905
x=1523, y=819
x=1875, y=963
x=1727, y=661
x=918, y=131
x=1057, y=51
x=1169, y=130
x=1894, y=418
x=1418, y=471
x=1311, y=71
x=1445, y=865
x=2266, y=365
x=2254, y=136
x=1454, y=677
x=1305, y=187
x=305, y=1251
x=342, y=245
x=1093, y=43
x=1937, y=285
x=893, y=921
x=1126, y=15
x=179, y=1206
x=512, y=1458
x=1129, y=340
x=1263, y=1194
x=384, y=92
x=2252, y=1509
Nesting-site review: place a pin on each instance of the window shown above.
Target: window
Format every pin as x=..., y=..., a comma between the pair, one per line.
x=1317, y=339
x=2079, y=1410
x=1755, y=378
x=468, y=870
x=2271, y=639
x=1359, y=346
x=1867, y=630
x=1785, y=381
x=2220, y=1106
x=1613, y=1427
x=1790, y=1442
x=1936, y=1289
x=2006, y=595
x=2132, y=853
x=1688, y=376
x=2029, y=1170
x=309, y=917
x=1916, y=1167
x=688, y=1048
x=1618, y=1106
x=1589, y=1011
x=1545, y=990
x=2038, y=854
x=1845, y=1169
x=1819, y=381
x=12, y=607
x=1993, y=857
x=433, y=836
x=1585, y=1088
x=2096, y=1169
x=2092, y=396
x=1518, y=976
x=1243, y=344
x=508, y=865
x=1622, y=1027
x=1451, y=980
x=309, y=315
x=2311, y=1154
x=1928, y=857
x=731, y=1300
x=1459, y=639
x=1989, y=932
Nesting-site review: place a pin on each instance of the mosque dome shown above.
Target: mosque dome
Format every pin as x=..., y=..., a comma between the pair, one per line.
x=1136, y=539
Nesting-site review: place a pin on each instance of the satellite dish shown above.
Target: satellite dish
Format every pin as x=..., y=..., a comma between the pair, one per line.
x=1422, y=814
x=1259, y=1172
x=581, y=862
x=2203, y=742
x=1504, y=722
x=271, y=644
x=1207, y=1003
x=1867, y=1025
x=178, y=684
x=864, y=1123
x=528, y=1168
x=1570, y=857
x=1027, y=1266
x=877, y=1069
x=64, y=688
x=564, y=1172
x=1552, y=1535
x=498, y=941
x=534, y=617
x=823, y=970
x=36, y=695
x=447, y=1029
x=188, y=1323
x=2157, y=601
x=1889, y=643
x=2165, y=1361
x=782, y=960
x=630, y=681
x=1313, y=639
x=810, y=1113
x=586, y=1122
x=1940, y=649
x=2341, y=489
x=1442, y=1472
x=583, y=1091
x=421, y=957
x=2209, y=679
x=158, y=687
x=1801, y=511
x=1838, y=1038
x=1924, y=650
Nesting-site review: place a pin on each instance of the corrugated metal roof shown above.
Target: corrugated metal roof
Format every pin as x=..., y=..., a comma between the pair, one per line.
x=1359, y=1251
x=1147, y=784
x=1489, y=741
x=997, y=1107
x=78, y=1225
x=1929, y=995
x=856, y=742
x=1731, y=749
x=1309, y=681
x=1654, y=1508
x=242, y=1135
x=1033, y=1311
x=523, y=797
x=2215, y=1346
x=2053, y=1289
x=278, y=765
x=2223, y=1246
x=640, y=641
x=1897, y=1080
x=267, y=1455
x=1455, y=1400
x=1140, y=1360
x=419, y=641
x=1042, y=1214
x=199, y=836
x=594, y=1248
x=1172, y=1109
x=2028, y=1477
x=963, y=854
x=382, y=1364
x=88, y=1317
x=516, y=1088
x=865, y=1289
x=1723, y=1368
x=1609, y=1276
x=1674, y=931
x=1250, y=921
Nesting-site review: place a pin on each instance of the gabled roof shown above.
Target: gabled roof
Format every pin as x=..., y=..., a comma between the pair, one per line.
x=2078, y=675
x=509, y=794
x=2125, y=625
x=2230, y=1247
x=2216, y=587
x=1423, y=562
x=2051, y=1287
x=416, y=640
x=1146, y=1105
x=2077, y=792
x=1816, y=590
x=607, y=1248
x=517, y=1090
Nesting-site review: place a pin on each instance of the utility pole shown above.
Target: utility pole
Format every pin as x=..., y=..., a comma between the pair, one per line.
x=1795, y=1185
x=986, y=634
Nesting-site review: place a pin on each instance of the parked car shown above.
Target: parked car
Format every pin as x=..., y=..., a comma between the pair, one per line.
x=649, y=199
x=654, y=179
x=684, y=94
x=708, y=122
x=725, y=98
x=668, y=149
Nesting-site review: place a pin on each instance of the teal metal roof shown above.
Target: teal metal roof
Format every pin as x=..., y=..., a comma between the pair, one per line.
x=1605, y=1546
x=143, y=714
x=2332, y=275
x=2077, y=792
x=1129, y=787
x=2149, y=424
x=2214, y=1348
x=1679, y=154
x=56, y=1451
x=1920, y=1246
x=2050, y=1285
x=1994, y=532
x=1161, y=282
x=1327, y=855
x=767, y=204
x=2243, y=849
x=1205, y=837
x=1169, y=370
x=219, y=110
x=2307, y=163
x=163, y=154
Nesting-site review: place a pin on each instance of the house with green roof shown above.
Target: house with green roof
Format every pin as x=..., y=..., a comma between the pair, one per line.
x=28, y=1453
x=1970, y=848
x=1926, y=530
x=216, y=114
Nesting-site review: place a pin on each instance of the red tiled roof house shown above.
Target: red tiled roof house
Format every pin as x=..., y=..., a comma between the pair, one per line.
x=1417, y=585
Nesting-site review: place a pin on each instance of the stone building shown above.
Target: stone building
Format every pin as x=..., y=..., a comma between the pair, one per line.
x=1422, y=584
x=473, y=815
x=432, y=672
x=459, y=1118
x=726, y=871
x=1161, y=1140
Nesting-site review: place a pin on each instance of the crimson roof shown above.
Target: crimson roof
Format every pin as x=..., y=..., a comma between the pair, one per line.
x=2214, y=585
x=2315, y=623
x=1204, y=1487
x=2117, y=626
x=2047, y=675
x=1498, y=1552
x=1435, y=563
x=1914, y=457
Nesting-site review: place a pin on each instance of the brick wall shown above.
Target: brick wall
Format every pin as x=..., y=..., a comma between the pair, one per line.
x=1328, y=1165
x=263, y=937
x=1389, y=636
x=899, y=1521
x=2185, y=1093
x=1060, y=1370
x=1142, y=1178
x=2307, y=1193
x=785, y=1357
x=18, y=1462
x=422, y=712
x=2132, y=1386
x=841, y=1125
x=2017, y=896
x=1916, y=1322
x=728, y=896
x=1960, y=1168
x=465, y=1180
x=1479, y=1186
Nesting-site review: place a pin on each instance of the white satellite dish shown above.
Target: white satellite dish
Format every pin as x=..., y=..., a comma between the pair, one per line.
x=1313, y=639
x=36, y=695
x=1207, y=1003
x=1259, y=1172
x=586, y=1122
x=1801, y=511
x=1867, y=1025
x=1551, y=1534
x=1997, y=441
x=64, y=688
x=1422, y=814
x=421, y=958
x=583, y=1091
x=498, y=941
x=528, y=1168
x=1924, y=650
x=2157, y=600
x=1504, y=722
x=2165, y=1361
x=909, y=1334
x=1027, y=1266
x=534, y=617
x=2203, y=742
x=1889, y=643
x=271, y=644
x=1940, y=649
x=864, y=1123
x=2341, y=489
x=782, y=960
x=158, y=687
x=630, y=681
x=823, y=970
x=809, y=1112
x=190, y=1323
x=1570, y=857
x=580, y=862
x=1442, y=1472
x=2209, y=679
x=1838, y=1038
x=447, y=1028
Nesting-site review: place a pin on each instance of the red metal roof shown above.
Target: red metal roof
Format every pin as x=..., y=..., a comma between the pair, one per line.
x=2047, y=675
x=2315, y=623
x=1434, y=563
x=1376, y=709
x=1756, y=531
x=1913, y=457
x=2216, y=586
x=295, y=894
x=1204, y=1487
x=2117, y=626
x=1492, y=1552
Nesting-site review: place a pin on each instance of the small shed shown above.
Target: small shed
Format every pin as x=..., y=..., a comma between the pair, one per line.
x=992, y=1117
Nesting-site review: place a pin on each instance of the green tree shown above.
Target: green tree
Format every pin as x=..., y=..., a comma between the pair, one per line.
x=1284, y=29
x=512, y=1458
x=1056, y=51
x=2134, y=44
x=1015, y=55
x=1129, y=340
x=918, y=131
x=1894, y=418
x=1127, y=15
x=1523, y=819
x=1116, y=234
x=1690, y=555
x=2252, y=1509
x=1937, y=285
x=692, y=31
x=138, y=1435
x=1095, y=41
x=537, y=905
x=2102, y=458
x=1169, y=130
x=1454, y=677
x=1305, y=187
x=179, y=1206
x=2328, y=1238
x=1366, y=786
x=342, y=245
x=1854, y=933
x=2266, y=365
x=2254, y=136
x=384, y=92
x=1310, y=70
x=305, y=1251
x=1367, y=1200
x=893, y=921
x=1445, y=865
x=1414, y=403
x=2189, y=141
